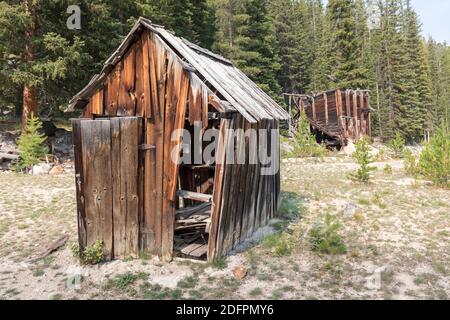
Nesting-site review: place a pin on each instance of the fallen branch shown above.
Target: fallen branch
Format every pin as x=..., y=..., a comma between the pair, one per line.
x=52, y=248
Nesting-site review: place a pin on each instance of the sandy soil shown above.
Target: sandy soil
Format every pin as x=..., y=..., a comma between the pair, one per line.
x=396, y=229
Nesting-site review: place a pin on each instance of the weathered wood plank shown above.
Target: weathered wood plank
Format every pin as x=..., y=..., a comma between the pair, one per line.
x=129, y=168
x=125, y=140
x=142, y=78
x=97, y=102
x=240, y=180
x=218, y=189
x=224, y=207
x=112, y=97
x=195, y=196
x=176, y=92
x=87, y=111
x=127, y=95
x=79, y=183
x=96, y=146
x=151, y=234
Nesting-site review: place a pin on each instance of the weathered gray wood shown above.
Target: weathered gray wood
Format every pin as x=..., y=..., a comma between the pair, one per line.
x=9, y=156
x=194, y=196
x=79, y=183
x=96, y=150
x=204, y=208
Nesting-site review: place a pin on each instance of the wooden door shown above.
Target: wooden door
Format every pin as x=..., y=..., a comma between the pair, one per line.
x=108, y=180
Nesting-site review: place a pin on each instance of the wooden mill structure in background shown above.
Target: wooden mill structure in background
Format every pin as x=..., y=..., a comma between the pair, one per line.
x=132, y=194
x=336, y=116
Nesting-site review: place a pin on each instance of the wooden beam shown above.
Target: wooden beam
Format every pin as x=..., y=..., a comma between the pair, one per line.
x=355, y=115
x=218, y=188
x=314, y=109
x=194, y=196
x=325, y=98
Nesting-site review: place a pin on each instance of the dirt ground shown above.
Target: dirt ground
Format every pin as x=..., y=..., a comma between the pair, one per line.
x=396, y=229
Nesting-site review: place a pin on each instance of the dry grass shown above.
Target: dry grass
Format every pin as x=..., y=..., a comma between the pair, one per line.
x=398, y=225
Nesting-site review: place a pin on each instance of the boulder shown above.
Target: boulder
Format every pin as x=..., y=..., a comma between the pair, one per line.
x=48, y=128
x=240, y=273
x=62, y=145
x=8, y=140
x=349, y=149
x=41, y=169
x=57, y=170
x=349, y=210
x=286, y=147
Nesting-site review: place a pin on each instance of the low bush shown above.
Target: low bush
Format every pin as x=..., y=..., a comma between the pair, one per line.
x=397, y=145
x=281, y=244
x=410, y=163
x=91, y=254
x=364, y=159
x=304, y=143
x=324, y=237
x=434, y=162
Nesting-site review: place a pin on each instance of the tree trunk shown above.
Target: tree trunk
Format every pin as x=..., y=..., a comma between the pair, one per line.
x=30, y=105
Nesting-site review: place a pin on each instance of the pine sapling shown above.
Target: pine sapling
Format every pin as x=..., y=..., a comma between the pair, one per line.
x=31, y=145
x=434, y=161
x=364, y=159
x=397, y=145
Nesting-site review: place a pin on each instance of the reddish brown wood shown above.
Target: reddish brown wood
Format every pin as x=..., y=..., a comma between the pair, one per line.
x=97, y=102
x=218, y=189
x=127, y=94
x=113, y=84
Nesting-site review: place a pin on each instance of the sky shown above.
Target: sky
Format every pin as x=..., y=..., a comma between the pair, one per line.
x=435, y=18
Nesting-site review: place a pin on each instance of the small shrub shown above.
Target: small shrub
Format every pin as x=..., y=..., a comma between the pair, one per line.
x=90, y=255
x=410, y=163
x=75, y=249
x=255, y=292
x=281, y=244
x=397, y=145
x=305, y=144
x=187, y=283
x=220, y=263
x=291, y=205
x=364, y=159
x=434, y=163
x=325, y=238
x=31, y=145
x=124, y=280
x=93, y=254
x=388, y=169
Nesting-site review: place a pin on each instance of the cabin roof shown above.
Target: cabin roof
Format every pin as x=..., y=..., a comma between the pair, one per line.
x=234, y=86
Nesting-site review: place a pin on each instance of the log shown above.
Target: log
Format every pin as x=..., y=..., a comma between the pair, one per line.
x=52, y=248
x=8, y=156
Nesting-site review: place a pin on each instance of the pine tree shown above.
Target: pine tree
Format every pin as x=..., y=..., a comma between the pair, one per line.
x=291, y=40
x=255, y=46
x=315, y=24
x=31, y=144
x=346, y=43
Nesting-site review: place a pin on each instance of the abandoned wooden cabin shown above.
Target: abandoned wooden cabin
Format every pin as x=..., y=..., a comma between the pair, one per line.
x=131, y=195
x=336, y=116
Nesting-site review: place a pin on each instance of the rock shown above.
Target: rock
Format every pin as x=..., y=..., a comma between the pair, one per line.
x=48, y=128
x=62, y=144
x=8, y=140
x=374, y=152
x=41, y=169
x=350, y=149
x=286, y=147
x=240, y=273
x=349, y=210
x=56, y=170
